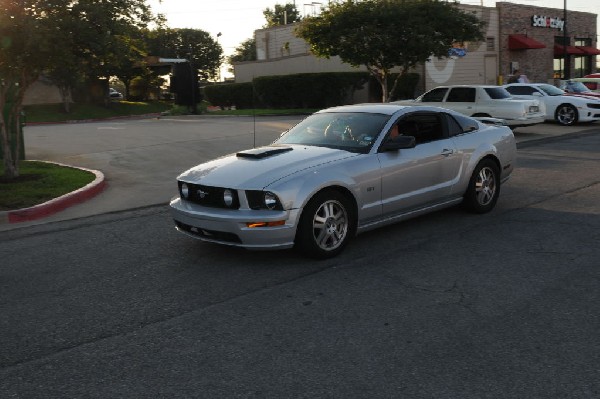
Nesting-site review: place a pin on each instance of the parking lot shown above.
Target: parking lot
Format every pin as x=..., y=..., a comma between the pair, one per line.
x=448, y=305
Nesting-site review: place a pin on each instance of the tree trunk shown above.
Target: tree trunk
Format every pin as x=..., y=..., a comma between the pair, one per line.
x=65, y=95
x=11, y=105
x=10, y=148
x=381, y=76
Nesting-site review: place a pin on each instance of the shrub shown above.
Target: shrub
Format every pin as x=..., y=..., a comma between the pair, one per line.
x=305, y=90
x=308, y=90
x=229, y=94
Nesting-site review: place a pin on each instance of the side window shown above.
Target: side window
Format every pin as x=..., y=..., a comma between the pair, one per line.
x=454, y=127
x=521, y=90
x=466, y=124
x=424, y=126
x=435, y=95
x=461, y=95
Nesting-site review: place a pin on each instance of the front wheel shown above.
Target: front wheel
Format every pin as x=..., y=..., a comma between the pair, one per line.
x=566, y=115
x=484, y=187
x=326, y=225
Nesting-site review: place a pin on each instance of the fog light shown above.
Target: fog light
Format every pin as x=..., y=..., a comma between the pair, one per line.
x=228, y=198
x=185, y=191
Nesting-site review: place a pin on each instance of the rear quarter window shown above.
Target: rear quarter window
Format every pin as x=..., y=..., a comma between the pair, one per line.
x=466, y=124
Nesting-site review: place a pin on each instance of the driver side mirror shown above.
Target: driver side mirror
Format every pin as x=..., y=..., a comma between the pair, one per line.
x=398, y=143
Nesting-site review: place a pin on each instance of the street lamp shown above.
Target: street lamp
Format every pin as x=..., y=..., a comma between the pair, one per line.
x=219, y=70
x=566, y=60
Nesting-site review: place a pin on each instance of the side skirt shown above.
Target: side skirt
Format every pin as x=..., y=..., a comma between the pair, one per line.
x=408, y=215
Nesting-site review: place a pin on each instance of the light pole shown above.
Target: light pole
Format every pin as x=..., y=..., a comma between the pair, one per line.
x=566, y=60
x=194, y=79
x=219, y=70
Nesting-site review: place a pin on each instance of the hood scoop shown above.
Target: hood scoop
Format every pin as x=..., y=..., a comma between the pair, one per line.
x=262, y=152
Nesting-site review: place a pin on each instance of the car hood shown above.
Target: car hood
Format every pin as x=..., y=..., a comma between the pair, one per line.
x=259, y=167
x=586, y=95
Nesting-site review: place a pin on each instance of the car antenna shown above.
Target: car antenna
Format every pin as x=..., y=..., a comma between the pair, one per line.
x=253, y=115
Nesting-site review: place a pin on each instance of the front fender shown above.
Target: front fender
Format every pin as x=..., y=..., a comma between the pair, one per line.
x=359, y=175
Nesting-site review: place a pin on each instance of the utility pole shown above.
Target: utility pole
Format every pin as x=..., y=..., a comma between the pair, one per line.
x=566, y=59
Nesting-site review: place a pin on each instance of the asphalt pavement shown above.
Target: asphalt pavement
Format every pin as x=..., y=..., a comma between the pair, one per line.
x=136, y=161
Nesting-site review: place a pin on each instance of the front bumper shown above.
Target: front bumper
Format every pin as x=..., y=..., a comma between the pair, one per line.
x=229, y=227
x=588, y=114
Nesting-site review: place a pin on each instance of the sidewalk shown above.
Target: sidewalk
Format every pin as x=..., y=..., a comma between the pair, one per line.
x=132, y=186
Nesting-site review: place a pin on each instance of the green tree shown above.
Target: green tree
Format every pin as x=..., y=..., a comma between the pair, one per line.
x=196, y=45
x=384, y=34
x=246, y=51
x=25, y=47
x=281, y=14
x=65, y=39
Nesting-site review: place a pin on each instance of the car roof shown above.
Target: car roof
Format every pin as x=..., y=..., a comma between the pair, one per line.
x=383, y=108
x=375, y=108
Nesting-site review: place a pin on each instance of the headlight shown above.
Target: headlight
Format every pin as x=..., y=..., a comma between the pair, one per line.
x=227, y=197
x=185, y=191
x=270, y=200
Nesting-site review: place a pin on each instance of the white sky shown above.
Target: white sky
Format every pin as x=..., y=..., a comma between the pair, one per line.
x=237, y=20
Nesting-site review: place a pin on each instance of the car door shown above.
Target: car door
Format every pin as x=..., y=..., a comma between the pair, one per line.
x=462, y=99
x=415, y=177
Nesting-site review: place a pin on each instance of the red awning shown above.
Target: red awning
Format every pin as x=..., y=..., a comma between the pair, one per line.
x=559, y=50
x=589, y=50
x=522, y=42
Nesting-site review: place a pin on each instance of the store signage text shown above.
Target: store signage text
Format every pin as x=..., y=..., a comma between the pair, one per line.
x=546, y=22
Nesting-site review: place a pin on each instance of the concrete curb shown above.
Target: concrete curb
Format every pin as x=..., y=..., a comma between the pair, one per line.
x=57, y=204
x=108, y=119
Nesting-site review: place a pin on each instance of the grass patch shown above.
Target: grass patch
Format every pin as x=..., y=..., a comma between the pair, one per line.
x=55, y=113
x=39, y=182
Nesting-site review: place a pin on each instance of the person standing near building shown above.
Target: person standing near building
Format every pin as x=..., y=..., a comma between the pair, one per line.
x=518, y=77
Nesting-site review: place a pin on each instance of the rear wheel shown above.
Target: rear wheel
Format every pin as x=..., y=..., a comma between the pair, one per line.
x=484, y=187
x=566, y=115
x=327, y=223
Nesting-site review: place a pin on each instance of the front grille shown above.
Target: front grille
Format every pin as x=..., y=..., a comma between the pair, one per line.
x=210, y=196
x=593, y=106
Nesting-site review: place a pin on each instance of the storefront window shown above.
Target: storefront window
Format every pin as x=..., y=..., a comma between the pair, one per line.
x=558, y=68
x=583, y=64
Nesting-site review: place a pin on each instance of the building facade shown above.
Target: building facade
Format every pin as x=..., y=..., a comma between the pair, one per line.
x=541, y=42
x=517, y=36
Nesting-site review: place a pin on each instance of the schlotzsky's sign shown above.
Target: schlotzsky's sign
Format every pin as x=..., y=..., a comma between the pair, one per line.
x=547, y=22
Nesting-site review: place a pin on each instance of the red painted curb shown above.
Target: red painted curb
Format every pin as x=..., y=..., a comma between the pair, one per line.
x=57, y=204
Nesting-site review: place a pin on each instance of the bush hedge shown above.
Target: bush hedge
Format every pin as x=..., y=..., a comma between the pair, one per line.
x=229, y=94
x=304, y=90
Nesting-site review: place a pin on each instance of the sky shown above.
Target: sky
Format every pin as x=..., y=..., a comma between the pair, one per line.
x=237, y=20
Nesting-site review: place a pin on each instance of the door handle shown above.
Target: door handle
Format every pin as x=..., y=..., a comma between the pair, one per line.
x=446, y=152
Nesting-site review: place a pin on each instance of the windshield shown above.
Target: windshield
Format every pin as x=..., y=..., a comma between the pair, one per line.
x=350, y=131
x=551, y=90
x=497, y=93
x=576, y=87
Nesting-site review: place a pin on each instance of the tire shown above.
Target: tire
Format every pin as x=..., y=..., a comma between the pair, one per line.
x=484, y=187
x=566, y=115
x=327, y=223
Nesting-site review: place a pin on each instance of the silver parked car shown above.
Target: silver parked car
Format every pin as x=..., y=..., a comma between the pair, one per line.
x=342, y=171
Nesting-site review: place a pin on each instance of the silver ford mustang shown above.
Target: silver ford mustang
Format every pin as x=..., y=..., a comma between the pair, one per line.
x=342, y=171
